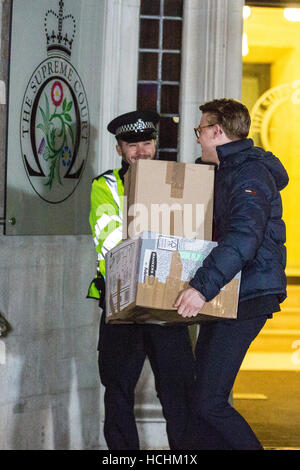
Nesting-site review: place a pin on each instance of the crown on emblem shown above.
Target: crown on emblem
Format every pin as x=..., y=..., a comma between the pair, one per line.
x=60, y=30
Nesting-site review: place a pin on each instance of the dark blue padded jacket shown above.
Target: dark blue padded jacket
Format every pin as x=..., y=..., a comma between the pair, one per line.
x=248, y=220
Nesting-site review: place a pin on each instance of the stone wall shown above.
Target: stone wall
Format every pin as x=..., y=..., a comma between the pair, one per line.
x=49, y=384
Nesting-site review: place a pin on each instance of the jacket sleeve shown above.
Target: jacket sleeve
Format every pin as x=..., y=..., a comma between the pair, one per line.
x=104, y=218
x=250, y=204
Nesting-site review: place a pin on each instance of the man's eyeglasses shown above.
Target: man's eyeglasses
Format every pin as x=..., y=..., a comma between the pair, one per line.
x=198, y=129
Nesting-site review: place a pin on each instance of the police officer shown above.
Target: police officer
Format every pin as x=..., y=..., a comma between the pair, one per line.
x=124, y=347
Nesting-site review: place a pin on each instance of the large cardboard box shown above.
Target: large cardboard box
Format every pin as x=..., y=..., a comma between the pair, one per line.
x=145, y=275
x=170, y=198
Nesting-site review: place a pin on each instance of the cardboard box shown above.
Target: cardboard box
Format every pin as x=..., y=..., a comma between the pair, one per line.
x=145, y=275
x=170, y=198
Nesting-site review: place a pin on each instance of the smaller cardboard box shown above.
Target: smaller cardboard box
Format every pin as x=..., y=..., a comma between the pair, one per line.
x=172, y=198
x=145, y=275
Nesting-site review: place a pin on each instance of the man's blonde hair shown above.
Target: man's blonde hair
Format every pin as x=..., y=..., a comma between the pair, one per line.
x=231, y=115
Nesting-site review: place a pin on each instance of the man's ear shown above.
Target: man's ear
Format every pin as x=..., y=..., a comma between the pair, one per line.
x=219, y=133
x=218, y=129
x=119, y=150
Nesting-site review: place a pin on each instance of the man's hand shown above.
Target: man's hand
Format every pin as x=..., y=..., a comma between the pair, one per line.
x=189, y=302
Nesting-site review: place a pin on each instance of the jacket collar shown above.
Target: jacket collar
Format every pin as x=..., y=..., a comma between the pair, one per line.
x=123, y=170
x=230, y=154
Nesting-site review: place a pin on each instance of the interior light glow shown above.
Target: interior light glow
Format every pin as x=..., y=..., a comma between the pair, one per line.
x=246, y=12
x=245, y=48
x=292, y=14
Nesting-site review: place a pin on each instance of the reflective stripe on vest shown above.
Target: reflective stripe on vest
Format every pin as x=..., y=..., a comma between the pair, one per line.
x=111, y=182
x=112, y=240
x=108, y=227
x=103, y=222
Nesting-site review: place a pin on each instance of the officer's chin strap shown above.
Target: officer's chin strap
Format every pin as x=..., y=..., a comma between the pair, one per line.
x=4, y=326
x=123, y=170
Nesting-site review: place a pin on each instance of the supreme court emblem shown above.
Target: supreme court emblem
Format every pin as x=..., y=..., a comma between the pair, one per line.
x=54, y=121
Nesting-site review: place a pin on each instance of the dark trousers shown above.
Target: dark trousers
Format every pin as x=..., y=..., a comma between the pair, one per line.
x=122, y=352
x=220, y=350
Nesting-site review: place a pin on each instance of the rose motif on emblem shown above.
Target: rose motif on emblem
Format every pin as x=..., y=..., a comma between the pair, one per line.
x=57, y=93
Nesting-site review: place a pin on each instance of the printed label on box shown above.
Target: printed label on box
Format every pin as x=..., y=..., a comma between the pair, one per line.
x=167, y=243
x=122, y=266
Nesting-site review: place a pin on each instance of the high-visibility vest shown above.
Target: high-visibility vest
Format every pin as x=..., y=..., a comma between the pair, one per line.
x=106, y=221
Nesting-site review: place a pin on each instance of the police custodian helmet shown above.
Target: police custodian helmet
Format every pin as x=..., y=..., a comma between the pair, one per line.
x=136, y=126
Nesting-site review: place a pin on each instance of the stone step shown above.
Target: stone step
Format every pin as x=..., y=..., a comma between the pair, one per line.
x=277, y=347
x=293, y=297
x=286, y=319
x=283, y=341
x=271, y=361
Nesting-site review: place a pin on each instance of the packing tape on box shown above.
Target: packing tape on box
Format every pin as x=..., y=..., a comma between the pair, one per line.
x=111, y=304
x=175, y=175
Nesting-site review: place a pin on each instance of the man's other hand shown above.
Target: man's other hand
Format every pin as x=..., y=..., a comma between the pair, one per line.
x=189, y=302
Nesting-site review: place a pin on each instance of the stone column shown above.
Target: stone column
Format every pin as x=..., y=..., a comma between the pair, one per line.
x=211, y=62
x=120, y=71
